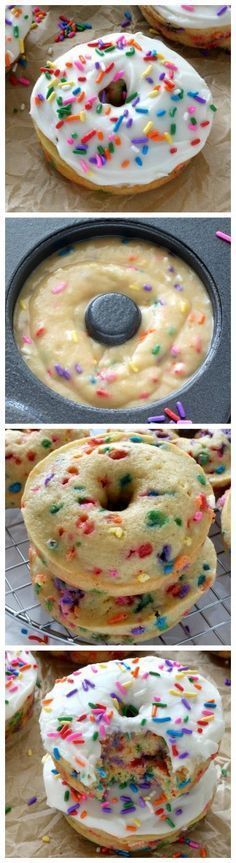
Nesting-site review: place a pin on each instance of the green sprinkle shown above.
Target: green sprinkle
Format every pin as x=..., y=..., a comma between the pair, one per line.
x=178, y=521
x=201, y=579
x=55, y=508
x=170, y=822
x=8, y=809
x=130, y=53
x=202, y=479
x=156, y=349
x=99, y=108
x=203, y=457
x=126, y=479
x=50, y=90
x=213, y=108
x=66, y=795
x=16, y=31
x=154, y=673
x=173, y=129
x=143, y=721
x=95, y=735
x=156, y=518
x=46, y=443
x=133, y=96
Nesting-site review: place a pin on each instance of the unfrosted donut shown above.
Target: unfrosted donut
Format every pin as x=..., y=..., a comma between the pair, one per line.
x=24, y=448
x=212, y=450
x=117, y=512
x=122, y=112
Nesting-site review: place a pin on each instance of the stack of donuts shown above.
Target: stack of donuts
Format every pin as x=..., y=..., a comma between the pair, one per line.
x=118, y=526
x=130, y=746
x=21, y=673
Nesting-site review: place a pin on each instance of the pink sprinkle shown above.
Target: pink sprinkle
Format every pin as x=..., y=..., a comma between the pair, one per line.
x=70, y=141
x=120, y=687
x=60, y=287
x=191, y=109
x=84, y=166
x=53, y=734
x=24, y=81
x=79, y=65
x=118, y=75
x=13, y=689
x=70, y=100
x=27, y=340
x=191, y=127
x=102, y=730
x=174, y=351
x=197, y=516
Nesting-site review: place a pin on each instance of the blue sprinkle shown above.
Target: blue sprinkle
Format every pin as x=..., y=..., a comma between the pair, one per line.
x=16, y=486
x=161, y=113
x=142, y=110
x=118, y=123
x=162, y=623
x=56, y=753
x=145, y=149
x=76, y=91
x=139, y=161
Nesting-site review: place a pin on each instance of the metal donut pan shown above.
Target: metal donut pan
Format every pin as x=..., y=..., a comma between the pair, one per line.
x=206, y=397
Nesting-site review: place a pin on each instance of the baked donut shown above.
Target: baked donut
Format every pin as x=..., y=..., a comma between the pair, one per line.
x=132, y=720
x=117, y=512
x=197, y=26
x=148, y=817
x=124, y=619
x=25, y=448
x=225, y=505
x=87, y=657
x=157, y=292
x=121, y=113
x=211, y=450
x=18, y=21
x=21, y=672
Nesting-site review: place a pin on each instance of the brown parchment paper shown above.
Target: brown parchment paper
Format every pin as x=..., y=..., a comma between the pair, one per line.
x=26, y=825
x=33, y=186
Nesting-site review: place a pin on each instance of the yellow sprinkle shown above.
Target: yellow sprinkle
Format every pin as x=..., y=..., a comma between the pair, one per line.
x=190, y=694
x=47, y=709
x=153, y=94
x=54, y=82
x=137, y=822
x=117, y=531
x=184, y=306
x=127, y=683
x=45, y=838
x=148, y=127
x=74, y=336
x=168, y=137
x=21, y=46
x=143, y=577
x=22, y=305
x=51, y=97
x=188, y=541
x=29, y=752
x=134, y=287
x=133, y=367
x=207, y=719
x=82, y=116
x=67, y=84
x=147, y=71
x=116, y=704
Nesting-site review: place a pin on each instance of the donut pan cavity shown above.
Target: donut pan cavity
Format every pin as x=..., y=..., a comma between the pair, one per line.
x=206, y=397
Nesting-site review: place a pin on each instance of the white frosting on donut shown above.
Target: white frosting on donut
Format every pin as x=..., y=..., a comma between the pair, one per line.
x=165, y=124
x=186, y=698
x=20, y=679
x=196, y=17
x=18, y=20
x=109, y=818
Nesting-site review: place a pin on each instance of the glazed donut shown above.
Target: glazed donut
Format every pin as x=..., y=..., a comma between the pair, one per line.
x=225, y=505
x=198, y=26
x=124, y=619
x=124, y=721
x=211, y=450
x=18, y=21
x=118, y=512
x=117, y=113
x=148, y=824
x=21, y=672
x=170, y=306
x=25, y=448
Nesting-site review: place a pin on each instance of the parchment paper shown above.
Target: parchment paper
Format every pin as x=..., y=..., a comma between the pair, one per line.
x=33, y=186
x=26, y=825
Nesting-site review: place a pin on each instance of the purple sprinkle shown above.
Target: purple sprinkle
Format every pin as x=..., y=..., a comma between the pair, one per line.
x=86, y=684
x=178, y=811
x=138, y=630
x=147, y=288
x=135, y=102
x=162, y=76
x=73, y=808
x=63, y=373
x=139, y=140
x=31, y=801
x=160, y=419
x=184, y=755
x=181, y=410
x=114, y=695
x=48, y=478
x=72, y=692
x=227, y=681
x=129, y=123
x=166, y=553
x=222, y=10
x=184, y=590
x=141, y=802
x=128, y=810
x=178, y=287
x=199, y=99
x=171, y=269
x=186, y=703
x=187, y=731
x=78, y=369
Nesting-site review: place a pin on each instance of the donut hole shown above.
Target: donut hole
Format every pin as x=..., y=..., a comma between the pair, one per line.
x=127, y=709
x=114, y=94
x=119, y=499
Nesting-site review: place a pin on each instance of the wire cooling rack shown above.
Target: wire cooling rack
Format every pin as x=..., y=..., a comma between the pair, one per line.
x=207, y=623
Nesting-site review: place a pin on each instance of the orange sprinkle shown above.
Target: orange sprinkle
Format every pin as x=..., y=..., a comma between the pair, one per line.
x=118, y=618
x=108, y=109
x=80, y=761
x=68, y=64
x=135, y=673
x=181, y=562
x=117, y=140
x=131, y=827
x=47, y=700
x=71, y=118
x=84, y=814
x=125, y=163
x=135, y=44
x=100, y=136
x=99, y=77
x=80, y=97
x=201, y=318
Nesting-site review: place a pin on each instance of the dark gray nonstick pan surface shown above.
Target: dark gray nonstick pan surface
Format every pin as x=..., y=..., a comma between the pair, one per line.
x=206, y=398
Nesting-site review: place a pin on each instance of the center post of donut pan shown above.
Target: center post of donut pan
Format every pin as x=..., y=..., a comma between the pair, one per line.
x=206, y=396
